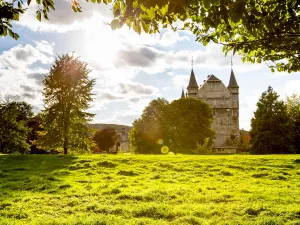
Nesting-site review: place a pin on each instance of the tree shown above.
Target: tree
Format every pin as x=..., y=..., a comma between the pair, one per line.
x=258, y=30
x=35, y=126
x=13, y=128
x=179, y=125
x=67, y=93
x=293, y=109
x=189, y=122
x=9, y=13
x=148, y=132
x=105, y=138
x=271, y=129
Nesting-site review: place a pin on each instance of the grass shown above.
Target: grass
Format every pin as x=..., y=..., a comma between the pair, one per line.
x=123, y=189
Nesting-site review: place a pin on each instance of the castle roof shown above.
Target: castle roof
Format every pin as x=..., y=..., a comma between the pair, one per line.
x=192, y=82
x=232, y=81
x=213, y=78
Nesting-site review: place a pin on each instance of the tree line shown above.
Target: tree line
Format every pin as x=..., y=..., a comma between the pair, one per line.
x=182, y=126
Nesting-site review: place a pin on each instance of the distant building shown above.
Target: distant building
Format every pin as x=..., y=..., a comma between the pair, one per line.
x=225, y=104
x=123, y=142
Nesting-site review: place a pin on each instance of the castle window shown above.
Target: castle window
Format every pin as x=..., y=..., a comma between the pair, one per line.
x=234, y=98
x=210, y=86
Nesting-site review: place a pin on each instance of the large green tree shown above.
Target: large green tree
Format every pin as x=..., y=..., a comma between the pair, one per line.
x=293, y=108
x=105, y=138
x=148, y=132
x=13, y=126
x=189, y=122
x=67, y=93
x=179, y=125
x=271, y=129
x=258, y=30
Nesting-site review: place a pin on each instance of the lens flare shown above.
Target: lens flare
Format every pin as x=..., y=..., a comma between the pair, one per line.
x=160, y=141
x=164, y=149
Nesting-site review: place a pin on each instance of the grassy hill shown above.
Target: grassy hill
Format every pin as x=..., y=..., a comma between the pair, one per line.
x=129, y=189
x=117, y=127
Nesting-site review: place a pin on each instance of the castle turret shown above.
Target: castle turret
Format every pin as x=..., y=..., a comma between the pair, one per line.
x=182, y=94
x=192, y=88
x=233, y=87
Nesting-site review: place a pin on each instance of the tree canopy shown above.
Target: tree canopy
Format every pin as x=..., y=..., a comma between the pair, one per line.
x=179, y=125
x=105, y=138
x=13, y=126
x=189, y=123
x=293, y=108
x=67, y=93
x=149, y=130
x=271, y=129
x=258, y=30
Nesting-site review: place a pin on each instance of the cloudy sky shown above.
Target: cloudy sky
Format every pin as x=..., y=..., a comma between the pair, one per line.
x=130, y=69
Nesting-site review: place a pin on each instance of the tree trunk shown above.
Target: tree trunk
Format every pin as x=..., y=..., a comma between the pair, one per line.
x=65, y=151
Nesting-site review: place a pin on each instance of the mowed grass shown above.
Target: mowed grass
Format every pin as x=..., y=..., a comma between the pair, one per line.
x=134, y=189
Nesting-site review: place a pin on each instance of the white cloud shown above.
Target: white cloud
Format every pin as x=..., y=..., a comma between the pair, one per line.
x=63, y=18
x=19, y=80
x=180, y=81
x=170, y=38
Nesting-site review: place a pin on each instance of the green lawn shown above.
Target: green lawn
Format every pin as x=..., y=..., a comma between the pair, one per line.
x=124, y=189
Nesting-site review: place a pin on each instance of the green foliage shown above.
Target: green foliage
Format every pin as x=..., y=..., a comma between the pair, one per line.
x=256, y=30
x=13, y=126
x=105, y=138
x=293, y=109
x=179, y=125
x=67, y=93
x=189, y=122
x=8, y=14
x=149, y=189
x=149, y=129
x=271, y=129
x=204, y=149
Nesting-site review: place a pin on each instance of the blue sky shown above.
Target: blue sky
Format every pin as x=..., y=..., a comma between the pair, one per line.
x=130, y=69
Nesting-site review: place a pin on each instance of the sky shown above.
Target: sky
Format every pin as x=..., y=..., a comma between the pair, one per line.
x=130, y=69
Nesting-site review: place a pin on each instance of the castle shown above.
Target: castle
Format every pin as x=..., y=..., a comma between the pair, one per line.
x=225, y=104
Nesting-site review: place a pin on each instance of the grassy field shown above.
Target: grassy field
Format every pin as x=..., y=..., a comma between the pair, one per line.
x=120, y=189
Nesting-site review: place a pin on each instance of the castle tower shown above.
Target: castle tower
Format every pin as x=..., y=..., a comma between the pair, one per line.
x=192, y=88
x=233, y=87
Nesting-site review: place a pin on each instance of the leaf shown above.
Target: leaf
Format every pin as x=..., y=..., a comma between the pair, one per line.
x=115, y=24
x=137, y=27
x=28, y=2
x=146, y=27
x=39, y=16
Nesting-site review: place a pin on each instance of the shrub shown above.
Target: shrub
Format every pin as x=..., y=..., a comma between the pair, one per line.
x=204, y=149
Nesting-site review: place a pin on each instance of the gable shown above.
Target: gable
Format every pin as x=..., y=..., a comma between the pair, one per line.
x=213, y=89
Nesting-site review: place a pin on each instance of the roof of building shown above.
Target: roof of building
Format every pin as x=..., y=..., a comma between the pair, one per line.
x=213, y=78
x=192, y=82
x=232, y=81
x=182, y=94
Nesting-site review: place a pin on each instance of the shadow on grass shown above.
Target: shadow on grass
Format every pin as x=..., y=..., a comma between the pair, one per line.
x=33, y=173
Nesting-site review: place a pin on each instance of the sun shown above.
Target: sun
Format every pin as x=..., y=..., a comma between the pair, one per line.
x=102, y=45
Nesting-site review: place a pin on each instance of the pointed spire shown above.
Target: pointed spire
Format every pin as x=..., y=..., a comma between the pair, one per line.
x=192, y=82
x=182, y=93
x=232, y=81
